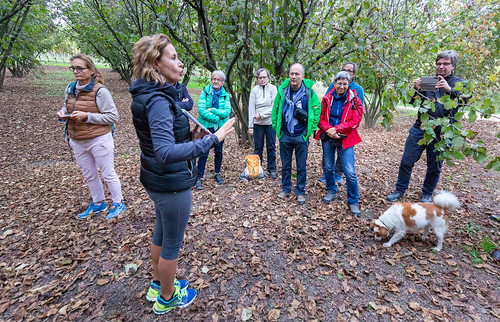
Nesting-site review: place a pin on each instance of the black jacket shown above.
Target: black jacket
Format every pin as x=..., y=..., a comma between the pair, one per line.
x=182, y=94
x=168, y=154
x=440, y=111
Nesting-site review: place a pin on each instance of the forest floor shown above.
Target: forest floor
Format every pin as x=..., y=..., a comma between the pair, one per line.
x=250, y=255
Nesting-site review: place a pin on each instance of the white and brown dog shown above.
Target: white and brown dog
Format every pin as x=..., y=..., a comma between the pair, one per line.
x=403, y=217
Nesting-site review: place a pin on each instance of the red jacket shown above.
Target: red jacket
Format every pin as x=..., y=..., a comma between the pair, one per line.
x=351, y=118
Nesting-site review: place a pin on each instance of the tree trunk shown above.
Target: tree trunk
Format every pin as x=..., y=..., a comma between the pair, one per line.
x=189, y=69
x=2, y=77
x=8, y=51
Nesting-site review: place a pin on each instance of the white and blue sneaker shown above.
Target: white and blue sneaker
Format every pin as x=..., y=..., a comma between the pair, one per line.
x=116, y=209
x=93, y=209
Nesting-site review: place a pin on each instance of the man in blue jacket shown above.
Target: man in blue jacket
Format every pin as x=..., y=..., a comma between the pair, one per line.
x=352, y=69
x=445, y=64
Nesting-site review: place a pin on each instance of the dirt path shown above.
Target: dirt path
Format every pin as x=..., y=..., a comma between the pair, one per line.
x=249, y=254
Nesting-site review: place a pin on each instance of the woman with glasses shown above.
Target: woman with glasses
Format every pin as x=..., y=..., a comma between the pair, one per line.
x=341, y=114
x=214, y=108
x=89, y=112
x=260, y=107
x=168, y=170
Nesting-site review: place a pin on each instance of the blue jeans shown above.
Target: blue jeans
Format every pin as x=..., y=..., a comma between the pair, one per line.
x=338, y=167
x=259, y=133
x=347, y=160
x=202, y=161
x=287, y=145
x=411, y=155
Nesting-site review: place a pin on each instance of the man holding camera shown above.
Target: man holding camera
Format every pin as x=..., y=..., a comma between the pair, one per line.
x=445, y=64
x=295, y=116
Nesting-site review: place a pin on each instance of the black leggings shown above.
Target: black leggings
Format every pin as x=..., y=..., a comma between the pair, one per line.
x=172, y=215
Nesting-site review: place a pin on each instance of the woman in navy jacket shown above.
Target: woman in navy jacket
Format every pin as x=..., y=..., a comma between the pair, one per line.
x=168, y=168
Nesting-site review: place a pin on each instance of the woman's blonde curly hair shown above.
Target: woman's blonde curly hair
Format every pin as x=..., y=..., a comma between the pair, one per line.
x=147, y=52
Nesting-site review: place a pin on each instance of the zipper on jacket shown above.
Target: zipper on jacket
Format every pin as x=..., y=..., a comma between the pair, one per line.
x=74, y=122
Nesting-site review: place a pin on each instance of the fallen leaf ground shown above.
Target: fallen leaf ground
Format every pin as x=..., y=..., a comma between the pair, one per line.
x=250, y=255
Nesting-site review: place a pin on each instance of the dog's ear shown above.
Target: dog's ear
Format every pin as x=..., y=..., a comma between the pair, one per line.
x=372, y=223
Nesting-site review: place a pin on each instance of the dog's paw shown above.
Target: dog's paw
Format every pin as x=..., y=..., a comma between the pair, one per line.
x=386, y=244
x=436, y=249
x=424, y=237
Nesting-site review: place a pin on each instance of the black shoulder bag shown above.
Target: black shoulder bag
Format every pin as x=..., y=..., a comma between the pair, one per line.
x=300, y=115
x=335, y=143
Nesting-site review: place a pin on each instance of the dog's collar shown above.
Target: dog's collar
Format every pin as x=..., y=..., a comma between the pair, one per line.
x=383, y=224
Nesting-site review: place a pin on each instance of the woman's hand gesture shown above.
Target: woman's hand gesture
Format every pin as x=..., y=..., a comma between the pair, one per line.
x=226, y=129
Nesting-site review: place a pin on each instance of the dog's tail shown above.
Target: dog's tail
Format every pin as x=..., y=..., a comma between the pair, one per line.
x=446, y=200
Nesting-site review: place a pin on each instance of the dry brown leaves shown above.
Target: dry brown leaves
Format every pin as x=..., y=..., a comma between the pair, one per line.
x=250, y=255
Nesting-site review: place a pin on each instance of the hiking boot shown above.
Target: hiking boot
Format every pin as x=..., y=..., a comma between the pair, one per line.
x=218, y=178
x=155, y=289
x=322, y=178
x=180, y=298
x=273, y=174
x=355, y=210
x=331, y=196
x=199, y=185
x=426, y=198
x=93, y=209
x=301, y=199
x=116, y=209
x=395, y=196
x=283, y=195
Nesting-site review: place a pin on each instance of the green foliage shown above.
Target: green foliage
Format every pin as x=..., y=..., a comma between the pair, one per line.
x=487, y=245
x=472, y=228
x=476, y=259
x=392, y=43
x=415, y=40
x=38, y=35
x=109, y=29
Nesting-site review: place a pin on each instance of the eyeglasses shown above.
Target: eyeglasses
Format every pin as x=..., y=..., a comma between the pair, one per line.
x=348, y=70
x=443, y=64
x=217, y=80
x=77, y=68
x=262, y=77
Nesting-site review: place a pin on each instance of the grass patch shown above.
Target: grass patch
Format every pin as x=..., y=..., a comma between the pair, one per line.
x=54, y=82
x=196, y=99
x=198, y=82
x=407, y=110
x=487, y=245
x=472, y=228
x=475, y=255
x=58, y=63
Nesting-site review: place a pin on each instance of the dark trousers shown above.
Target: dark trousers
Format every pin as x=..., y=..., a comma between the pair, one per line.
x=338, y=166
x=287, y=145
x=259, y=133
x=202, y=161
x=411, y=155
x=172, y=215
